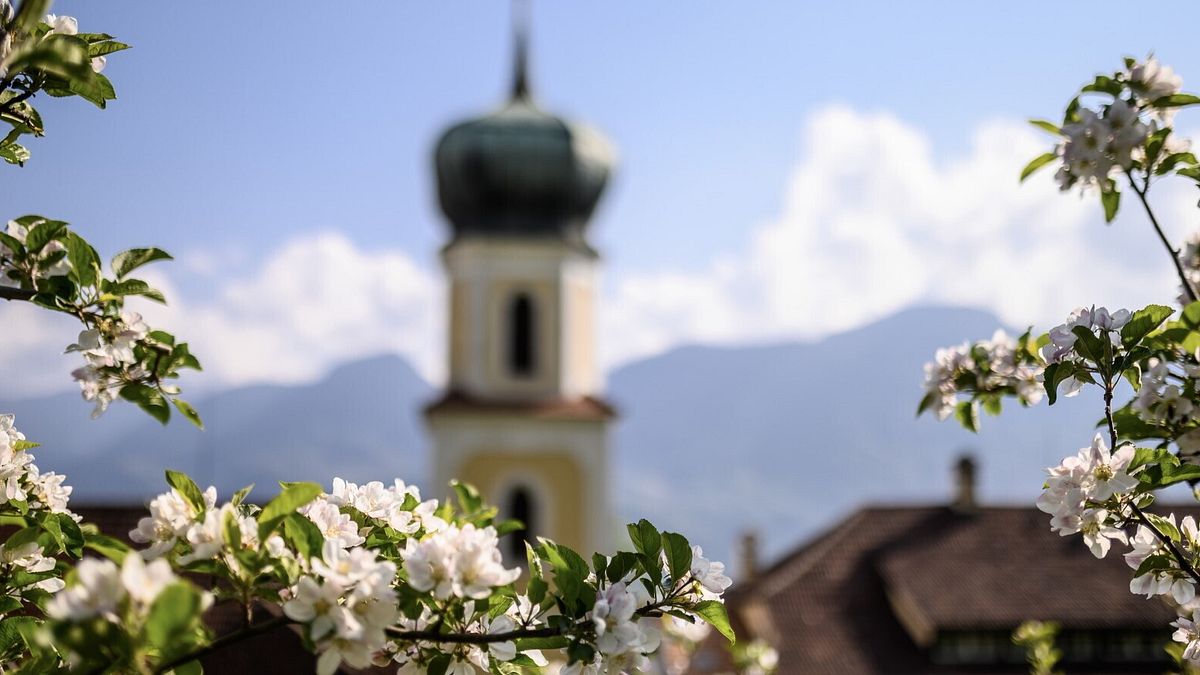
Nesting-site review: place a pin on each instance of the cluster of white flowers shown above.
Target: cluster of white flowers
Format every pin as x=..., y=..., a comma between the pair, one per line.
x=100, y=588
x=1102, y=142
x=468, y=659
x=110, y=359
x=347, y=603
x=1102, y=323
x=990, y=364
x=457, y=562
x=172, y=518
x=1092, y=476
x=1160, y=400
x=1175, y=583
x=30, y=557
x=45, y=265
x=623, y=640
x=1187, y=632
x=398, y=506
x=23, y=481
x=1151, y=80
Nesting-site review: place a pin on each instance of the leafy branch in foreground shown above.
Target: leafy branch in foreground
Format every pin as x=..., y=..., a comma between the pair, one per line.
x=1152, y=441
x=44, y=262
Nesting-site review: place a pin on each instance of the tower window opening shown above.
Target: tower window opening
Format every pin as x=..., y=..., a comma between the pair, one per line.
x=521, y=507
x=521, y=348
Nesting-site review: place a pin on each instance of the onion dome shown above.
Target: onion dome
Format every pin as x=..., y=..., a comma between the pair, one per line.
x=520, y=171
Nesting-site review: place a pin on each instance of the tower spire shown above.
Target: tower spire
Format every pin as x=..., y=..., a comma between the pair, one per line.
x=520, y=11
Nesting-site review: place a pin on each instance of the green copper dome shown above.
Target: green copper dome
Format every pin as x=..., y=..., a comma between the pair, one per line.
x=521, y=171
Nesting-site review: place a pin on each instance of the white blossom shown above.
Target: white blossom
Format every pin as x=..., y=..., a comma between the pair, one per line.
x=1187, y=632
x=1154, y=80
x=1098, y=533
x=97, y=592
x=336, y=526
x=144, y=581
x=710, y=574
x=464, y=563
x=62, y=25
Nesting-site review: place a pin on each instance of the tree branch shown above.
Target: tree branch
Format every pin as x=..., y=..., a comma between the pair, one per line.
x=1141, y=193
x=1183, y=562
x=223, y=642
x=474, y=638
x=7, y=293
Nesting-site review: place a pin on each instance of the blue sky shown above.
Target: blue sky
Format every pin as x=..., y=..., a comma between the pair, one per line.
x=240, y=132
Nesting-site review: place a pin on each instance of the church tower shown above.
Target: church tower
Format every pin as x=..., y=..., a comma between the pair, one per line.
x=522, y=418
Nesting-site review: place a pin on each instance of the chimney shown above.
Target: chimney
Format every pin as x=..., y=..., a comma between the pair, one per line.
x=964, y=479
x=749, y=555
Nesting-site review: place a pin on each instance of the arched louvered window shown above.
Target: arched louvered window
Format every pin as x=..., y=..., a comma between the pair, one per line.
x=521, y=356
x=521, y=506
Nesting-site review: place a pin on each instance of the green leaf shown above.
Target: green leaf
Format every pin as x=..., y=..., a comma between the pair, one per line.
x=679, y=554
x=188, y=488
x=1184, y=472
x=240, y=495
x=1047, y=126
x=29, y=14
x=43, y=233
x=148, y=399
x=713, y=612
x=469, y=500
x=293, y=497
x=621, y=565
x=1110, y=199
x=645, y=538
x=967, y=414
x=1088, y=345
x=1143, y=322
x=1176, y=101
x=1037, y=163
x=438, y=665
x=105, y=47
x=85, y=262
x=14, y=153
x=188, y=412
x=546, y=643
x=132, y=287
x=304, y=535
x=127, y=261
x=172, y=616
x=109, y=547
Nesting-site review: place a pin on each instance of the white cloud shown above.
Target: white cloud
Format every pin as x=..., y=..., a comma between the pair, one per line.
x=872, y=223
x=314, y=303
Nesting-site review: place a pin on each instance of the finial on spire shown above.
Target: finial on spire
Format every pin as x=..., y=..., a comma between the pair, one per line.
x=521, y=13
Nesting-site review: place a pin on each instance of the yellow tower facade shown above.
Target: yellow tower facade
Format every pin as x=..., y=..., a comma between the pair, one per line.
x=522, y=417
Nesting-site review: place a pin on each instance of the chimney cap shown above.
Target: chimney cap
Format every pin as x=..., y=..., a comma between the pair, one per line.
x=965, y=471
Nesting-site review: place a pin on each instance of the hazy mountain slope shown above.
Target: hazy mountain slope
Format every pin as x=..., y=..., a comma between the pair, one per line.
x=787, y=438
x=362, y=421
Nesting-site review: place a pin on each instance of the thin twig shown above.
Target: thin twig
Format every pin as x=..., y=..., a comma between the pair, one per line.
x=7, y=293
x=474, y=638
x=223, y=642
x=1141, y=193
x=1166, y=541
